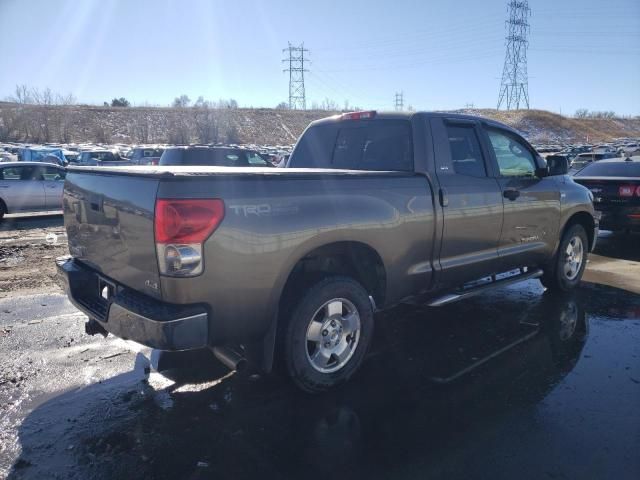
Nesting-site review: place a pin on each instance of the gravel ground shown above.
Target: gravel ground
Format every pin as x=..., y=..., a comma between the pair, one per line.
x=516, y=383
x=28, y=246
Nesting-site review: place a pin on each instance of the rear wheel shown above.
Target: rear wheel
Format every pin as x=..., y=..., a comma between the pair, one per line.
x=3, y=210
x=566, y=269
x=328, y=334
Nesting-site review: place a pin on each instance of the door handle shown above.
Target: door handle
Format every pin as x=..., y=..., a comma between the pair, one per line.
x=443, y=196
x=511, y=193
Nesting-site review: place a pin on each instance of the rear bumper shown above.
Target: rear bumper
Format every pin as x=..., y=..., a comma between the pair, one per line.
x=624, y=218
x=130, y=315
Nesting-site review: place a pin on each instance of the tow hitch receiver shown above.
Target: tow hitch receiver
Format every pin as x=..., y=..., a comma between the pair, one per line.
x=94, y=328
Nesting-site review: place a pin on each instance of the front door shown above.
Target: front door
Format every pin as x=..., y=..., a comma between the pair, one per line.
x=471, y=203
x=53, y=185
x=531, y=203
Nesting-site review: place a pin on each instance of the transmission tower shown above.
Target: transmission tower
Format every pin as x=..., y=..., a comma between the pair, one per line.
x=514, y=87
x=399, y=101
x=297, y=97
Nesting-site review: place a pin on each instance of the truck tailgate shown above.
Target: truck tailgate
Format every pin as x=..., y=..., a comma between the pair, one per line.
x=110, y=226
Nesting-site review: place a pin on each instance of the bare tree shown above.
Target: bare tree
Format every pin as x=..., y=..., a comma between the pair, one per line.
x=233, y=134
x=182, y=101
x=206, y=125
x=179, y=131
x=22, y=95
x=201, y=103
x=328, y=104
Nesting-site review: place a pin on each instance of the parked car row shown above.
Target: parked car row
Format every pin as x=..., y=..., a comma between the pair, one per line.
x=36, y=185
x=106, y=155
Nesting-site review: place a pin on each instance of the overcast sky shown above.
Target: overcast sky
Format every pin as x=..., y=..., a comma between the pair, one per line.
x=441, y=54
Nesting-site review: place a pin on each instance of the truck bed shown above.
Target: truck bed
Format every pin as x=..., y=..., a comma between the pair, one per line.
x=188, y=171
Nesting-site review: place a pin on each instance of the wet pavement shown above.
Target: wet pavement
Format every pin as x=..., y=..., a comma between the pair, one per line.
x=517, y=383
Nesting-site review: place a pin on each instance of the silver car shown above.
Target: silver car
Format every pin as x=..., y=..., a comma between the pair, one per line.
x=30, y=187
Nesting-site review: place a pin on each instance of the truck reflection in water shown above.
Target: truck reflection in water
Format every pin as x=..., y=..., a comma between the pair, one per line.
x=435, y=379
x=430, y=377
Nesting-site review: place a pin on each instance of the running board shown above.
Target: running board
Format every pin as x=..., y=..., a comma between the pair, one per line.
x=470, y=292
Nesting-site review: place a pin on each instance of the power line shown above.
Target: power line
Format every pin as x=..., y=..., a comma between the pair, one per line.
x=514, y=87
x=297, y=94
x=399, y=101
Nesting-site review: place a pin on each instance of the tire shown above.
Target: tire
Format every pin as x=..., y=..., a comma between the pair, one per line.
x=328, y=334
x=3, y=210
x=565, y=270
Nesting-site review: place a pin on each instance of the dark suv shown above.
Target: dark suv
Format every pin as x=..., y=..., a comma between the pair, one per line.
x=213, y=156
x=144, y=155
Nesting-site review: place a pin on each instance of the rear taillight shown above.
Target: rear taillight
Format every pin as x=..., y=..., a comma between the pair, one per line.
x=626, y=190
x=358, y=115
x=155, y=161
x=181, y=227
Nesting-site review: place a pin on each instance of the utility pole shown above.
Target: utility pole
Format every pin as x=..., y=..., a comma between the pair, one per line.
x=469, y=105
x=399, y=101
x=514, y=87
x=295, y=61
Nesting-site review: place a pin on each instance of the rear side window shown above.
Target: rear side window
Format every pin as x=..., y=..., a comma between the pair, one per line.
x=377, y=145
x=605, y=169
x=11, y=173
x=19, y=173
x=466, y=155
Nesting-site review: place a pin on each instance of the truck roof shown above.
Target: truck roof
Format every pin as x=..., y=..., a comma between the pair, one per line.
x=409, y=115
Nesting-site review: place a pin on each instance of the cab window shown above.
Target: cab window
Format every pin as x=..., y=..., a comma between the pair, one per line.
x=466, y=155
x=513, y=156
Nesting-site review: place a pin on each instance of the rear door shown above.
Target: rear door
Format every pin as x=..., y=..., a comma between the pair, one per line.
x=53, y=185
x=21, y=189
x=531, y=204
x=471, y=203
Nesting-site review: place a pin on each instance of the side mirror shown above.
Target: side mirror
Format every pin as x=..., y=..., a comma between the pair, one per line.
x=542, y=172
x=557, y=165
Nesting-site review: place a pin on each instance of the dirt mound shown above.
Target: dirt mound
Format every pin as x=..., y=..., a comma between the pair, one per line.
x=260, y=126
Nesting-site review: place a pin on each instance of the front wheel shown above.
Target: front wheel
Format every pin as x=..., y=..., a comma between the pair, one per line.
x=566, y=269
x=328, y=334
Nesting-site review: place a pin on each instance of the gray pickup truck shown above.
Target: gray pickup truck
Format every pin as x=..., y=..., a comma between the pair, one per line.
x=287, y=266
